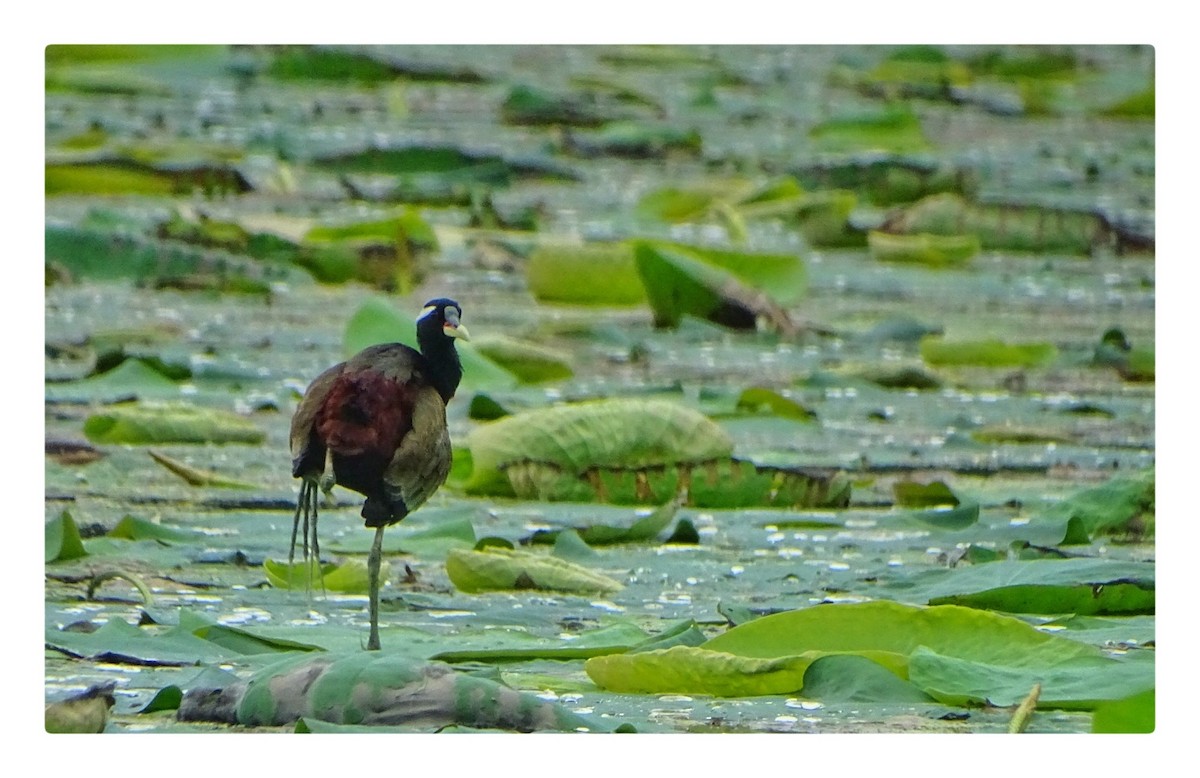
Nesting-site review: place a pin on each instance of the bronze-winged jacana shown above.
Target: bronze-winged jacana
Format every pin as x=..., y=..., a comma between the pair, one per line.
x=376, y=424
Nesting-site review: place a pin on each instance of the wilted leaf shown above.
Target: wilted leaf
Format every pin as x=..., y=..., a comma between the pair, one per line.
x=195, y=476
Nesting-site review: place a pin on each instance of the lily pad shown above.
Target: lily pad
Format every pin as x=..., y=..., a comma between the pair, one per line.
x=954, y=654
x=587, y=274
x=992, y=352
x=377, y=321
x=725, y=288
x=62, y=539
x=144, y=423
x=627, y=433
x=531, y=363
x=500, y=568
x=923, y=248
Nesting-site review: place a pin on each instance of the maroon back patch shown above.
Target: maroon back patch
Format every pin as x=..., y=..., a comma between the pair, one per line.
x=366, y=413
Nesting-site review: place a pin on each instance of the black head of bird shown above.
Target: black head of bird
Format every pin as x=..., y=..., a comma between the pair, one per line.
x=376, y=424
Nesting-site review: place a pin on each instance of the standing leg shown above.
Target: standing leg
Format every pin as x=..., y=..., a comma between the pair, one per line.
x=373, y=562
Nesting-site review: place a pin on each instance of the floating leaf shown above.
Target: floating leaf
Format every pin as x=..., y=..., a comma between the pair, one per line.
x=644, y=529
x=1082, y=585
x=132, y=378
x=954, y=654
x=118, y=641
x=1007, y=433
x=757, y=397
x=531, y=363
x=911, y=494
x=499, y=568
x=84, y=713
x=988, y=353
x=588, y=274
x=890, y=130
x=615, y=638
x=350, y=577
x=923, y=248
x=133, y=528
x=1133, y=714
x=696, y=670
x=1004, y=226
x=726, y=288
x=177, y=423
x=569, y=546
x=377, y=321
x=1113, y=599
x=853, y=678
x=956, y=518
x=628, y=433
x=62, y=539
x=635, y=139
x=1122, y=505
x=528, y=105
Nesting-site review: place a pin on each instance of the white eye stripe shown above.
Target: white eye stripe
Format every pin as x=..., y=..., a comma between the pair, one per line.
x=428, y=309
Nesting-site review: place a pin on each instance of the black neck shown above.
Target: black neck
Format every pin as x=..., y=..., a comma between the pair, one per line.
x=444, y=370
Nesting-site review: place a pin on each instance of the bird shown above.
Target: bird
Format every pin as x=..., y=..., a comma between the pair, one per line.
x=376, y=424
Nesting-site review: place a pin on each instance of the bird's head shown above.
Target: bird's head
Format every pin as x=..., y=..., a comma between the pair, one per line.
x=444, y=315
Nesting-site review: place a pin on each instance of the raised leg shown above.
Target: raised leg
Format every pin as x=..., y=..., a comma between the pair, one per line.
x=373, y=563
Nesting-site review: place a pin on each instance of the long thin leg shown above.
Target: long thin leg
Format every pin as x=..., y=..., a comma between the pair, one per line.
x=373, y=562
x=304, y=523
